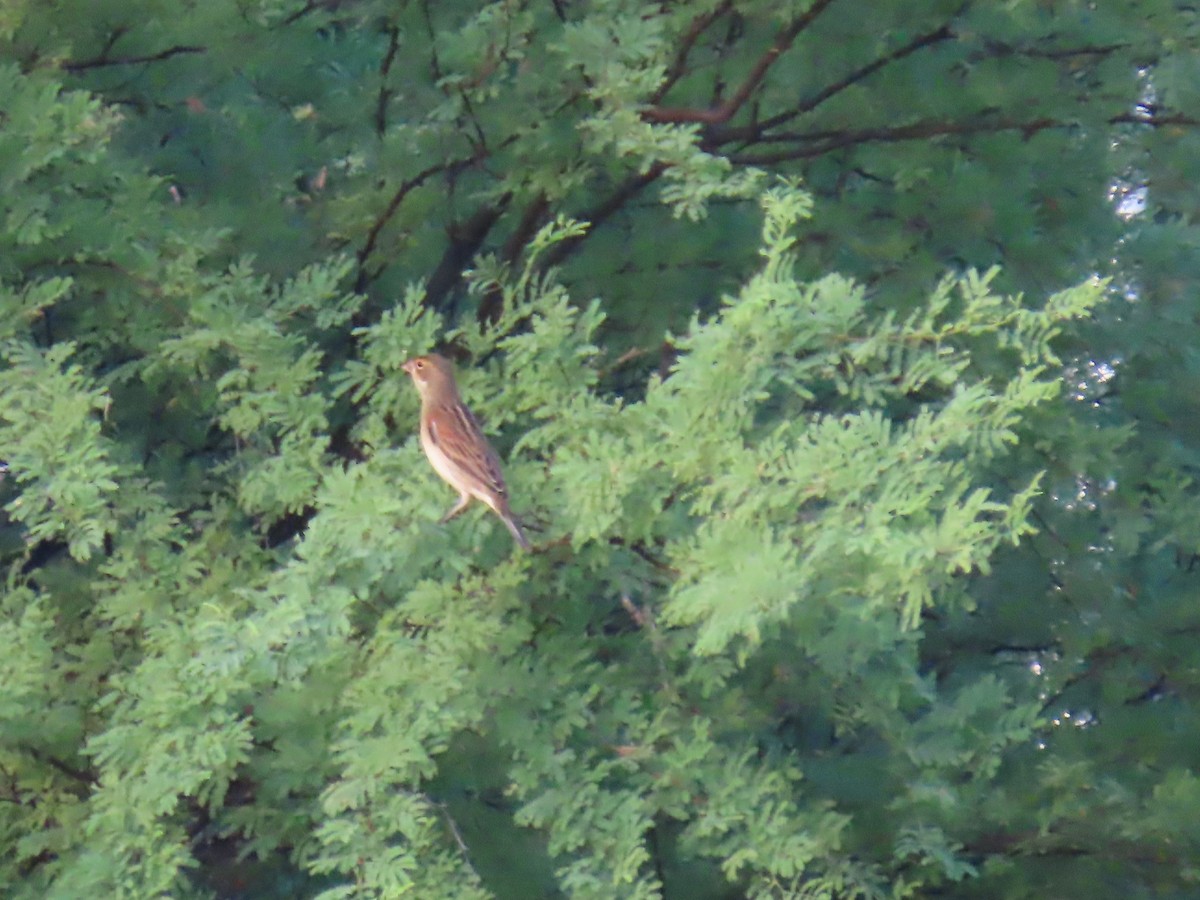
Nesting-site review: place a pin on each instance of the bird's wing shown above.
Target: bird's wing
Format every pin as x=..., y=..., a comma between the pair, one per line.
x=454, y=431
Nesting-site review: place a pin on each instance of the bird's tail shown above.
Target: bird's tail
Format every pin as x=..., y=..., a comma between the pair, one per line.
x=515, y=529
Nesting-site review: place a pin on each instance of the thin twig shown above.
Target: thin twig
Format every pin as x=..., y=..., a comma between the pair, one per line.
x=393, y=205
x=384, y=69
x=753, y=131
x=723, y=113
x=458, y=838
x=597, y=215
x=679, y=65
x=101, y=61
x=821, y=143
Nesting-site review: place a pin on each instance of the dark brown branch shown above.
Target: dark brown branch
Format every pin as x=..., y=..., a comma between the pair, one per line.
x=117, y=33
x=465, y=241
x=1051, y=843
x=994, y=50
x=534, y=215
x=330, y=6
x=299, y=14
x=102, y=61
x=723, y=113
x=1153, y=120
x=435, y=66
x=491, y=306
x=385, y=93
x=57, y=764
x=820, y=143
x=679, y=65
x=393, y=206
x=751, y=132
x=601, y=213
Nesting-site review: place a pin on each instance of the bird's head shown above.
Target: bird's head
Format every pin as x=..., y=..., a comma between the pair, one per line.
x=430, y=373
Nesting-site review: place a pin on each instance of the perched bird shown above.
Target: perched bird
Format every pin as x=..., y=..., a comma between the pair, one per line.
x=455, y=445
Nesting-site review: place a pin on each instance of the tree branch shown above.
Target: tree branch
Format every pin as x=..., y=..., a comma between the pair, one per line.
x=599, y=214
x=465, y=241
x=435, y=66
x=490, y=307
x=1053, y=843
x=102, y=61
x=1154, y=120
x=79, y=775
x=723, y=113
x=393, y=207
x=756, y=130
x=679, y=65
x=299, y=14
x=996, y=49
x=385, y=94
x=822, y=142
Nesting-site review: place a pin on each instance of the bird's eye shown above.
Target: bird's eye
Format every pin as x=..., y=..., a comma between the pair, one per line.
x=420, y=364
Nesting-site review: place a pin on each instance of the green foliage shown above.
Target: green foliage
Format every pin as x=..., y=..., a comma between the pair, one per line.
x=51, y=430
x=853, y=576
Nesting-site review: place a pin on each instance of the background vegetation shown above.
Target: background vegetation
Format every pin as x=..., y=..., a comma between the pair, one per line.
x=842, y=359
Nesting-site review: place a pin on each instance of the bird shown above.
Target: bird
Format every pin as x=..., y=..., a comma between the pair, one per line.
x=454, y=443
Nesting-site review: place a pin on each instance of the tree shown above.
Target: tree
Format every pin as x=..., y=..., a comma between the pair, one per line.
x=833, y=593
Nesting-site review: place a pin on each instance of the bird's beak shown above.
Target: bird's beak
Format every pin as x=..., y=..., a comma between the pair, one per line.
x=407, y=368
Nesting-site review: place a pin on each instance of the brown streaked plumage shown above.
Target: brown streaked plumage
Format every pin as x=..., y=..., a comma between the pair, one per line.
x=454, y=443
